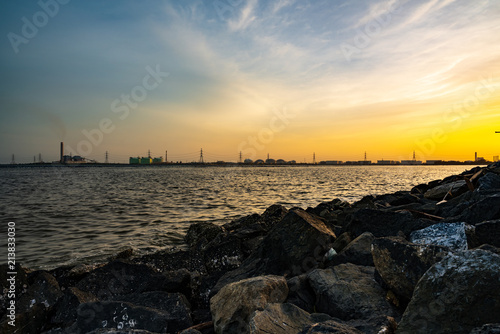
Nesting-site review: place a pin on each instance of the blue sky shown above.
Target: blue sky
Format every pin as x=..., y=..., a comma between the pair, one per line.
x=352, y=76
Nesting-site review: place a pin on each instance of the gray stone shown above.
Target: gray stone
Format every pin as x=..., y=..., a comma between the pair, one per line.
x=330, y=327
x=456, y=295
x=451, y=235
x=490, y=181
x=357, y=252
x=233, y=305
x=438, y=193
x=487, y=329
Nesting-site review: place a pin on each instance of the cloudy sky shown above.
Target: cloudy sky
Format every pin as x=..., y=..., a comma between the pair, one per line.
x=285, y=77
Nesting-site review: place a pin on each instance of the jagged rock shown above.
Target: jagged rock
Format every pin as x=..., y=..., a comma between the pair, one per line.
x=121, y=316
x=490, y=248
x=294, y=246
x=330, y=327
x=167, y=260
x=384, y=224
x=455, y=295
x=281, y=319
x=451, y=235
x=233, y=305
x=401, y=264
x=488, y=232
x=200, y=234
x=348, y=291
x=490, y=181
x=487, y=329
x=223, y=255
x=300, y=293
x=438, y=193
x=44, y=290
x=357, y=252
x=341, y=242
x=486, y=208
x=65, y=309
x=68, y=276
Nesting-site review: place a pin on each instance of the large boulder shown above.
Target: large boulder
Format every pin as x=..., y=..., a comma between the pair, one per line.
x=384, y=224
x=490, y=181
x=233, y=305
x=357, y=252
x=348, y=292
x=451, y=235
x=330, y=327
x=483, y=208
x=282, y=319
x=438, y=193
x=200, y=234
x=401, y=264
x=488, y=232
x=65, y=309
x=455, y=295
x=294, y=246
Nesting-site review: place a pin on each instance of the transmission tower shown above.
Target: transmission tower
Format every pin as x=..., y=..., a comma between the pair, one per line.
x=106, y=161
x=365, y=155
x=201, y=156
x=241, y=158
x=149, y=153
x=40, y=157
x=166, y=157
x=314, y=158
x=13, y=160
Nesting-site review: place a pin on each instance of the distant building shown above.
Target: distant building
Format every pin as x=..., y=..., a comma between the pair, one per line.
x=158, y=160
x=365, y=162
x=259, y=161
x=495, y=158
x=411, y=162
x=146, y=161
x=248, y=161
x=280, y=162
x=292, y=162
x=386, y=162
x=67, y=159
x=333, y=162
x=134, y=160
x=270, y=161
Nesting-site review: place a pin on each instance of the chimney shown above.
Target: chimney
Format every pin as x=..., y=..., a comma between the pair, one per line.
x=62, y=153
x=475, y=156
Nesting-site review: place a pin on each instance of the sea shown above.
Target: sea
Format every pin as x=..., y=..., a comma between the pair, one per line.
x=84, y=215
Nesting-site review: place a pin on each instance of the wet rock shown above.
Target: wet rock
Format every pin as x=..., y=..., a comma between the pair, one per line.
x=488, y=232
x=223, y=255
x=487, y=329
x=348, y=292
x=490, y=181
x=300, y=293
x=200, y=234
x=455, y=295
x=65, y=309
x=233, y=305
x=401, y=264
x=357, y=252
x=121, y=316
x=330, y=327
x=44, y=290
x=68, y=276
x=33, y=320
x=168, y=260
x=453, y=188
x=384, y=224
x=451, y=235
x=294, y=246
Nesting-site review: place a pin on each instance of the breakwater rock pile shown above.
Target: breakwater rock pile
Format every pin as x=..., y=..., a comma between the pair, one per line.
x=420, y=261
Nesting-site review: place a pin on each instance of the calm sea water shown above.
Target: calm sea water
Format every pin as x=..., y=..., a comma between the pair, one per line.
x=75, y=215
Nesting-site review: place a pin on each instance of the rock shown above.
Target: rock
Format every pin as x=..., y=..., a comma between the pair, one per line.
x=168, y=260
x=357, y=252
x=65, y=309
x=300, y=293
x=330, y=327
x=451, y=235
x=280, y=319
x=341, y=242
x=33, y=320
x=190, y=331
x=483, y=209
x=223, y=255
x=20, y=284
x=44, y=290
x=487, y=329
x=455, y=295
x=121, y=316
x=438, y=193
x=348, y=292
x=490, y=181
x=233, y=305
x=490, y=248
x=488, y=232
x=175, y=305
x=294, y=246
x=384, y=224
x=401, y=264
x=200, y=234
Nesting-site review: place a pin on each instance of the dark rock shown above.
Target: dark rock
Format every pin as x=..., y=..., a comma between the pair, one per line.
x=384, y=224
x=294, y=246
x=490, y=248
x=341, y=242
x=200, y=234
x=233, y=305
x=419, y=189
x=486, y=208
x=449, y=190
x=223, y=255
x=121, y=316
x=65, y=309
x=20, y=284
x=348, y=292
x=280, y=319
x=273, y=215
x=490, y=181
x=365, y=203
x=29, y=322
x=166, y=260
x=488, y=232
x=401, y=264
x=455, y=295
x=357, y=252
x=44, y=290
x=330, y=327
x=190, y=331
x=451, y=235
x=487, y=329
x=300, y=293
x=68, y=276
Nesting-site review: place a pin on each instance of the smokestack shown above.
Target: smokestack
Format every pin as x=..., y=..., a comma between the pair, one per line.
x=475, y=156
x=62, y=153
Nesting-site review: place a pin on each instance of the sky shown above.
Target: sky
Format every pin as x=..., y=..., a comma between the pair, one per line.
x=285, y=78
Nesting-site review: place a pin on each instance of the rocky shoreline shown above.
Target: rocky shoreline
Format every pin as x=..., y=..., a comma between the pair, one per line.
x=420, y=261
